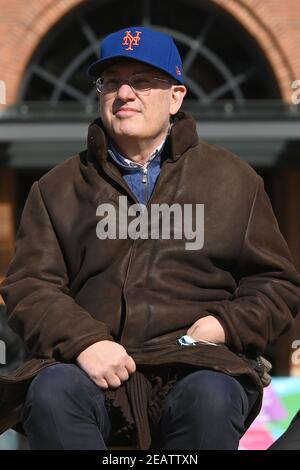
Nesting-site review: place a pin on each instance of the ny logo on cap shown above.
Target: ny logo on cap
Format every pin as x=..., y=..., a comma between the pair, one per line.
x=129, y=40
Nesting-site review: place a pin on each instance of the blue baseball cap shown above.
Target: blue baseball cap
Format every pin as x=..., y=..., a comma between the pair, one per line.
x=141, y=44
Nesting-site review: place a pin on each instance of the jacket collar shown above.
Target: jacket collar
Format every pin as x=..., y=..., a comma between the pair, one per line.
x=183, y=136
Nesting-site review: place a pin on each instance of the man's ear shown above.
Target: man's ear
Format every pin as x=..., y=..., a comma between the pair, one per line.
x=178, y=93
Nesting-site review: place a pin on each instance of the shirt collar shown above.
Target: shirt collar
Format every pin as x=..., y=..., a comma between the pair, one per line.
x=132, y=164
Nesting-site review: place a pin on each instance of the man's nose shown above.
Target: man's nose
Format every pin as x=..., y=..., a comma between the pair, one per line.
x=125, y=92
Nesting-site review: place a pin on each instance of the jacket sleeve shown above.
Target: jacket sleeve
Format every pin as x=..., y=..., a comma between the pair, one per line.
x=267, y=296
x=36, y=292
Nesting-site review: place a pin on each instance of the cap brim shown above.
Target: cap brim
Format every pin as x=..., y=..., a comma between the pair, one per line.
x=97, y=68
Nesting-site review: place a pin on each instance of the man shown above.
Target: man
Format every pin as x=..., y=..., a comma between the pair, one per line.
x=136, y=332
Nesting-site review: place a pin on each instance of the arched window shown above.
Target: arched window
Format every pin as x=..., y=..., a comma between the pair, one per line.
x=221, y=60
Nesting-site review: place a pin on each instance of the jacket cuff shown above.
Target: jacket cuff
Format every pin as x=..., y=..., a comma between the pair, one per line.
x=71, y=354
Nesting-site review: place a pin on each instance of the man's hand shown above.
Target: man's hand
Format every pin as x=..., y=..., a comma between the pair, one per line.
x=209, y=329
x=106, y=363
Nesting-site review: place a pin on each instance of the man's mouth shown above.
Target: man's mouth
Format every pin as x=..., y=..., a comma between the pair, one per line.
x=126, y=110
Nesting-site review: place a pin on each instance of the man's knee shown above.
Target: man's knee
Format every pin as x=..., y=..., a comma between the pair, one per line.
x=208, y=392
x=61, y=403
x=204, y=411
x=58, y=383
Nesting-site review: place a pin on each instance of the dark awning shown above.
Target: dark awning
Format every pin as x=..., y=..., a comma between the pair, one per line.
x=39, y=136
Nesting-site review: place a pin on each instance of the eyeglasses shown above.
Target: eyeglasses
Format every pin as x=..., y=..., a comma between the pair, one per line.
x=139, y=83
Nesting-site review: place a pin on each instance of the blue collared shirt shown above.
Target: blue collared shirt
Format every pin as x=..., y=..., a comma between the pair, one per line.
x=140, y=178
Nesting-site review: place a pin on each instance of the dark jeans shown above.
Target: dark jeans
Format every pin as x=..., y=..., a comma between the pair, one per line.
x=64, y=409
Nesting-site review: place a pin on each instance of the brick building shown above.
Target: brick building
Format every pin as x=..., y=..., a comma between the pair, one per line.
x=241, y=59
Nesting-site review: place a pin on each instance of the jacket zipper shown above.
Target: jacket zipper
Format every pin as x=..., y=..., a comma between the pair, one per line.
x=144, y=179
x=145, y=182
x=130, y=259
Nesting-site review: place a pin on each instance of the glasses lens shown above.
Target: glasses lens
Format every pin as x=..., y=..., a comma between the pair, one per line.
x=141, y=82
x=99, y=85
x=110, y=85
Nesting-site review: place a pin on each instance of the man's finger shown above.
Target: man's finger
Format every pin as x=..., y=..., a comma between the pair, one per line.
x=113, y=381
x=130, y=365
x=102, y=383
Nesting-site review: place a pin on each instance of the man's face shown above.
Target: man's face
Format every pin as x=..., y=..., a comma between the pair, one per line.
x=129, y=114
